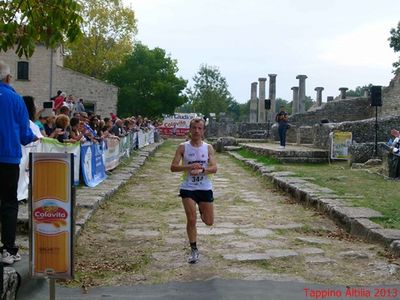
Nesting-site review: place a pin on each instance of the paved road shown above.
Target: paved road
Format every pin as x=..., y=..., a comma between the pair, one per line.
x=218, y=289
x=262, y=244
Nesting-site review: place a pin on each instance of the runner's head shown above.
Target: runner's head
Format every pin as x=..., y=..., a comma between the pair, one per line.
x=197, y=127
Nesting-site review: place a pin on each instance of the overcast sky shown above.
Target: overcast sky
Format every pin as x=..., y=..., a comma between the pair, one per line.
x=336, y=43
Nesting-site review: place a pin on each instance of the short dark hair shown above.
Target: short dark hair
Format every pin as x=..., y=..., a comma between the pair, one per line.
x=30, y=106
x=197, y=120
x=74, y=121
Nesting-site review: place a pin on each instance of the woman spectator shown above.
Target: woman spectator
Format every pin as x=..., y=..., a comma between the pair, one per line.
x=62, y=123
x=40, y=123
x=76, y=126
x=50, y=126
x=31, y=107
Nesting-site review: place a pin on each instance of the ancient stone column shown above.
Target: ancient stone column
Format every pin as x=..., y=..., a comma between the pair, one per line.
x=366, y=93
x=319, y=95
x=343, y=92
x=302, y=92
x=253, y=103
x=272, y=96
x=329, y=98
x=261, y=100
x=295, y=103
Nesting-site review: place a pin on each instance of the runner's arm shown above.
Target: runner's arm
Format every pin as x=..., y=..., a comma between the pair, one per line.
x=176, y=165
x=212, y=163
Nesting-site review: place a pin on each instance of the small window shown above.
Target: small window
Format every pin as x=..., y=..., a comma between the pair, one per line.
x=23, y=70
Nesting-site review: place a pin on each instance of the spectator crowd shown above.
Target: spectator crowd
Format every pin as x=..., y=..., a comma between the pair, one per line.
x=70, y=122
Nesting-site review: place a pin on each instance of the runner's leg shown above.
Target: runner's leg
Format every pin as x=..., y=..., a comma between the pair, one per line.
x=207, y=212
x=190, y=209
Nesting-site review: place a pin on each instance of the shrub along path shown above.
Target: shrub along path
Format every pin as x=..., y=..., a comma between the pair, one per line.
x=139, y=236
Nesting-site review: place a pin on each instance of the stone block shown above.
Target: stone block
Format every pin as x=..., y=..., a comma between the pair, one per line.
x=268, y=255
x=256, y=232
x=316, y=260
x=222, y=142
x=314, y=240
x=353, y=255
x=265, y=169
x=11, y=282
x=285, y=226
x=344, y=215
x=383, y=236
x=311, y=251
x=361, y=227
x=83, y=215
x=395, y=247
x=87, y=201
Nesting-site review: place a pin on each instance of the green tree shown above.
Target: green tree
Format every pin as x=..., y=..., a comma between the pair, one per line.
x=147, y=83
x=308, y=102
x=23, y=23
x=108, y=33
x=244, y=111
x=210, y=94
x=358, y=91
x=394, y=40
x=282, y=102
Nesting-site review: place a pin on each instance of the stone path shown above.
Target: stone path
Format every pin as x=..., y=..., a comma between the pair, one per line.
x=139, y=235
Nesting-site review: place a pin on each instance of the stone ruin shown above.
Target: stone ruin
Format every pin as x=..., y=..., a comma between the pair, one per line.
x=313, y=127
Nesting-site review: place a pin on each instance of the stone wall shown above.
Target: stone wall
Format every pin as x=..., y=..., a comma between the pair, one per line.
x=363, y=131
x=104, y=96
x=47, y=75
x=39, y=83
x=391, y=97
x=246, y=130
x=335, y=111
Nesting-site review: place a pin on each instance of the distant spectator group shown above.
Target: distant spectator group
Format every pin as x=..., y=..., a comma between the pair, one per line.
x=70, y=122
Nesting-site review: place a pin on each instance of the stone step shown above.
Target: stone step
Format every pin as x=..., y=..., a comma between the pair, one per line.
x=290, y=155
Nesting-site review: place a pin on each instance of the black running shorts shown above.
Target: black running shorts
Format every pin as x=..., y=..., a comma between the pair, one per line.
x=198, y=195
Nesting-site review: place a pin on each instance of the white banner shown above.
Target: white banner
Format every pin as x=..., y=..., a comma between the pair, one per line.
x=53, y=146
x=111, y=153
x=177, y=124
x=22, y=190
x=23, y=181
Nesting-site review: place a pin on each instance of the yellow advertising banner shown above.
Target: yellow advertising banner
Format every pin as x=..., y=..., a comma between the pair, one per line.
x=340, y=142
x=51, y=215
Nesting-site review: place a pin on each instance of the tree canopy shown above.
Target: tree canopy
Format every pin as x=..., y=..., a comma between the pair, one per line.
x=24, y=23
x=147, y=83
x=210, y=93
x=394, y=40
x=108, y=33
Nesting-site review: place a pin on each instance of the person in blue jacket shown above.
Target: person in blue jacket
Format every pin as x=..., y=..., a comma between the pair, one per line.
x=14, y=131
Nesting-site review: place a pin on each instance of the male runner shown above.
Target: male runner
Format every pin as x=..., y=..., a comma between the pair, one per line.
x=198, y=161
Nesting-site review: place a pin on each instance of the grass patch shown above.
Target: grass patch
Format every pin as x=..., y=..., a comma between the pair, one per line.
x=358, y=187
x=259, y=158
x=362, y=189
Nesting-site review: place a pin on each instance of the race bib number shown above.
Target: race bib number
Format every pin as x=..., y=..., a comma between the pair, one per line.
x=197, y=179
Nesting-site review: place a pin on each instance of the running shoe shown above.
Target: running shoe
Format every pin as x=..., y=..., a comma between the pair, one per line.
x=7, y=258
x=194, y=256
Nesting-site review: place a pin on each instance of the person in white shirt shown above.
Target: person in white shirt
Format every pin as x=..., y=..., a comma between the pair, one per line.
x=198, y=163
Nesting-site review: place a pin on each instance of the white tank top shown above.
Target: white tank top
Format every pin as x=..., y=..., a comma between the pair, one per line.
x=193, y=155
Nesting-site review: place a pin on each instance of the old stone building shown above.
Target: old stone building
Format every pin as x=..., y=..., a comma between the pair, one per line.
x=42, y=75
